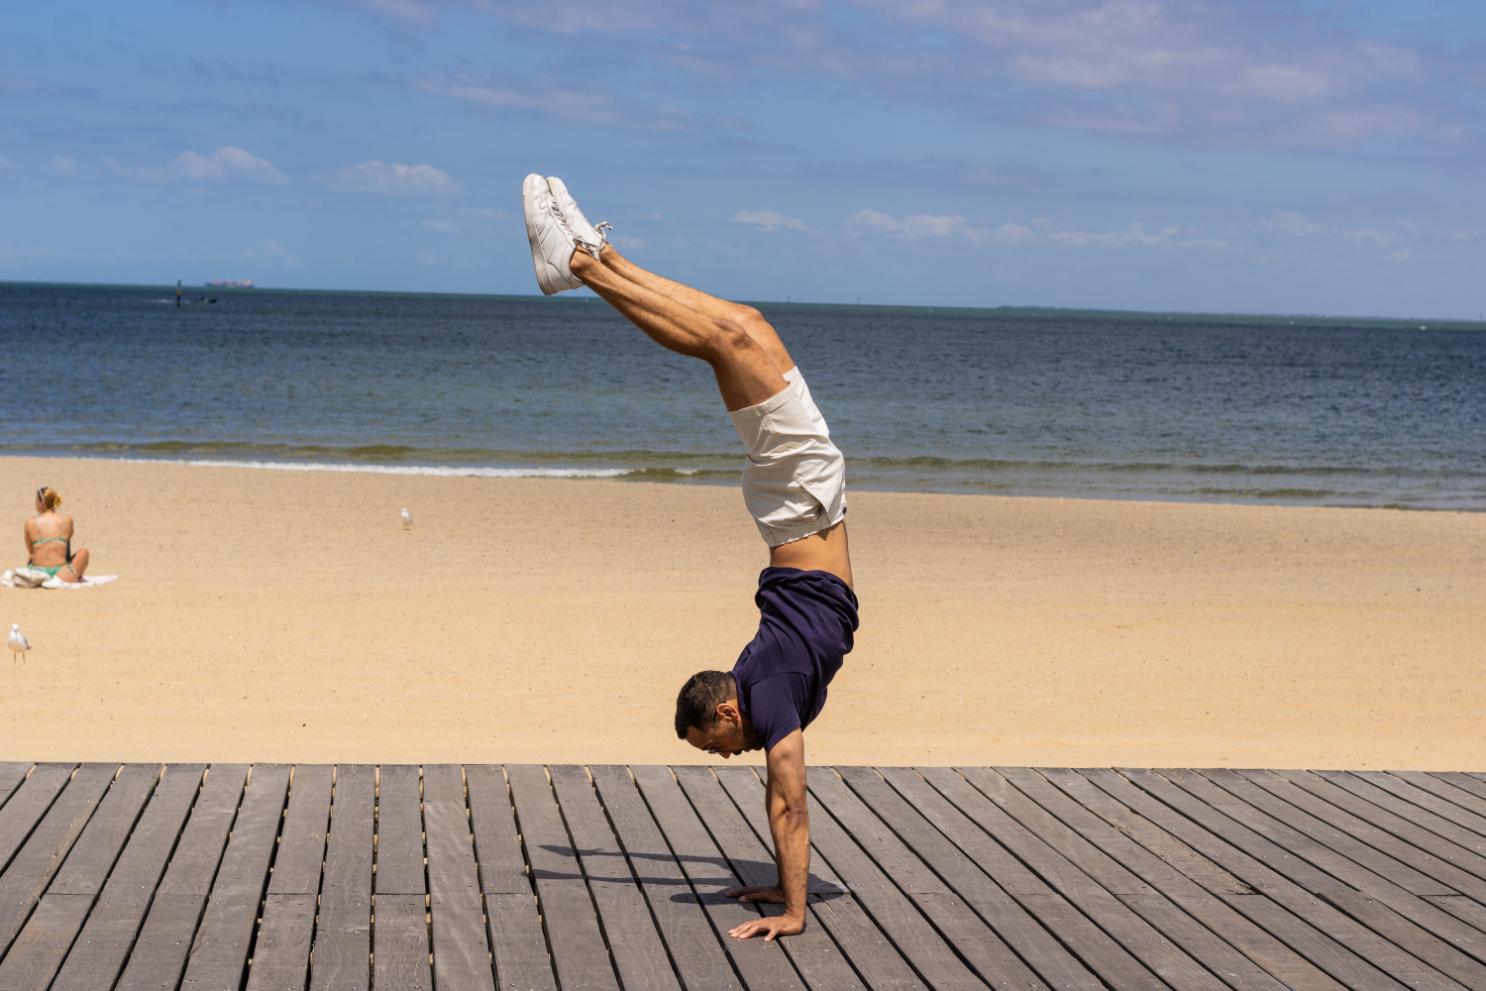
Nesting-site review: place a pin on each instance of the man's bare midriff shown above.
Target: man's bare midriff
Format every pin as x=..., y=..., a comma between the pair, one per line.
x=823, y=551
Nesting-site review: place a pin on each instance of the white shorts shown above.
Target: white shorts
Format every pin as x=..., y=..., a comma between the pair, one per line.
x=794, y=482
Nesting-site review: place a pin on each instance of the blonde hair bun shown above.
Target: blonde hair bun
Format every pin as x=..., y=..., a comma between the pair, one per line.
x=50, y=497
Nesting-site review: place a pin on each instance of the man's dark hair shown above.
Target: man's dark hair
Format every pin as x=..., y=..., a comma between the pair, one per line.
x=697, y=703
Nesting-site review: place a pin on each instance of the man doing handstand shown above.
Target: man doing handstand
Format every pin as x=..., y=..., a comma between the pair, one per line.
x=794, y=485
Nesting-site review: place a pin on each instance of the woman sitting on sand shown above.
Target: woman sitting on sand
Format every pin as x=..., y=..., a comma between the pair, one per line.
x=49, y=540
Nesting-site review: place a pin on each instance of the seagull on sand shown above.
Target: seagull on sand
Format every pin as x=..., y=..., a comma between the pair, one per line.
x=17, y=642
x=407, y=518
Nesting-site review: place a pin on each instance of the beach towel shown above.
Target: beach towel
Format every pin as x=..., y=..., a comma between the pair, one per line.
x=24, y=577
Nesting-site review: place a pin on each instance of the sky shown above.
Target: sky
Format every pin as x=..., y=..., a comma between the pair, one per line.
x=1262, y=156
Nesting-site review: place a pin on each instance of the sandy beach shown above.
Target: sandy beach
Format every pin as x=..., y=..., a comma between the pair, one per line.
x=271, y=615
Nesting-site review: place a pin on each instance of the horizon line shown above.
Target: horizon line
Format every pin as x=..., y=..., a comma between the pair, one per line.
x=1004, y=308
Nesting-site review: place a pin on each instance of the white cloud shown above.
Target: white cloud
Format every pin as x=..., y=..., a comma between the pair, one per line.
x=392, y=179
x=64, y=165
x=913, y=227
x=769, y=221
x=1365, y=236
x=1288, y=83
x=1292, y=225
x=6, y=164
x=544, y=97
x=1037, y=233
x=225, y=164
x=1289, y=223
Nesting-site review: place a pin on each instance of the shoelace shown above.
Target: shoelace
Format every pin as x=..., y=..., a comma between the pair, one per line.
x=562, y=224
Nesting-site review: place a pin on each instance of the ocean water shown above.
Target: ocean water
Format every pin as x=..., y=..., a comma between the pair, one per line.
x=1105, y=405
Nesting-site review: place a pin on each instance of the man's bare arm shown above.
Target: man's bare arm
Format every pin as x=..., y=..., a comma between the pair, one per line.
x=789, y=821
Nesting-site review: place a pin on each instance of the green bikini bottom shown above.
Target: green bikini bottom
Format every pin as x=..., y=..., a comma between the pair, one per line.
x=52, y=572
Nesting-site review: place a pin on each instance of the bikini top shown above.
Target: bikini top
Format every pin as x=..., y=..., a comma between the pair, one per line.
x=50, y=540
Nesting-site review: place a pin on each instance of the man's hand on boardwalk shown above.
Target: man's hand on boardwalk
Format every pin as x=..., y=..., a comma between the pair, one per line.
x=770, y=926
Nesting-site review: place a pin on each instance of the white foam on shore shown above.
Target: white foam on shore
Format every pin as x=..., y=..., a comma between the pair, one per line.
x=434, y=470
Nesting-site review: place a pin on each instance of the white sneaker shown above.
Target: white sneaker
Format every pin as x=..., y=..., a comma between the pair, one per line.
x=589, y=237
x=552, y=239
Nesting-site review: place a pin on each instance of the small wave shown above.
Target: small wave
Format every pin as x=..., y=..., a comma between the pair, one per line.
x=445, y=471
x=1266, y=493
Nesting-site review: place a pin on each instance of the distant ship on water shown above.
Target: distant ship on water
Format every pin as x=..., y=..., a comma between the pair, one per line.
x=229, y=284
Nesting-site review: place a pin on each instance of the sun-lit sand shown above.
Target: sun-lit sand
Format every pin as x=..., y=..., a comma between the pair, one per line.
x=287, y=616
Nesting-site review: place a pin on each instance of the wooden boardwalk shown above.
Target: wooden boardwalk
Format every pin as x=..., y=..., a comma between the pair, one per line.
x=484, y=877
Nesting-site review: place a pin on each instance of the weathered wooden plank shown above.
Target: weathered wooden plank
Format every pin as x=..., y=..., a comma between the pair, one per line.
x=1155, y=931
x=461, y=954
x=1369, y=842
x=522, y=962
x=697, y=953
x=341, y=951
x=890, y=908
x=813, y=953
x=399, y=924
x=497, y=845
x=1462, y=817
x=400, y=864
x=1465, y=782
x=33, y=866
x=1125, y=806
x=219, y=954
x=760, y=964
x=37, y=952
x=12, y=773
x=400, y=959
x=1359, y=809
x=1445, y=791
x=193, y=865
x=958, y=859
x=877, y=960
x=1426, y=931
x=281, y=952
x=29, y=803
x=42, y=943
x=98, y=953
x=846, y=863
x=1268, y=953
x=1464, y=908
x=579, y=954
x=92, y=858
x=164, y=943
x=1417, y=818
x=1372, y=960
x=159, y=955
x=1319, y=840
x=640, y=956
x=300, y=854
x=901, y=805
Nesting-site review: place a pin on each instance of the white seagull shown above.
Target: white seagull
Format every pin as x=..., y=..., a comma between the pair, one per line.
x=17, y=642
x=407, y=518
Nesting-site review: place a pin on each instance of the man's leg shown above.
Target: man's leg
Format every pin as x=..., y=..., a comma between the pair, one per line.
x=747, y=372
x=750, y=319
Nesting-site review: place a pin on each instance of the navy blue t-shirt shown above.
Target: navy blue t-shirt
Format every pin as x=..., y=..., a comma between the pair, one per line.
x=806, y=622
